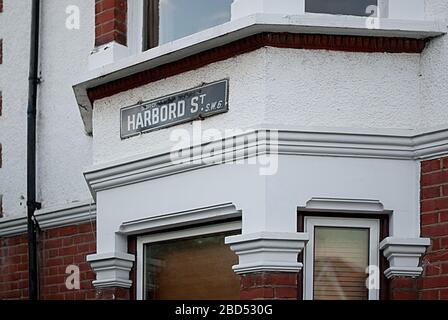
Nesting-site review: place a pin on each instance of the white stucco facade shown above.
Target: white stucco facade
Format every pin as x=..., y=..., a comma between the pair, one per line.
x=63, y=150
x=14, y=86
x=356, y=90
x=350, y=130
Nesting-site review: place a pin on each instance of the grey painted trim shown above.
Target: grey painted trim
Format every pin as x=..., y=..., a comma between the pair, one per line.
x=238, y=29
x=180, y=219
x=397, y=146
x=56, y=217
x=268, y=251
x=68, y=215
x=344, y=205
x=112, y=269
x=404, y=255
x=12, y=226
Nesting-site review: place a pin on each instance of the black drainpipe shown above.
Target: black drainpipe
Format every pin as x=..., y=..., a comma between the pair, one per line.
x=32, y=205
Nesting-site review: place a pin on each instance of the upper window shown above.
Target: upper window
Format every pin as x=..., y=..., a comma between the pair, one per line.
x=168, y=20
x=347, y=7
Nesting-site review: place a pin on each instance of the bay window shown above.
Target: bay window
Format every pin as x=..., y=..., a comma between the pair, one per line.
x=190, y=264
x=338, y=257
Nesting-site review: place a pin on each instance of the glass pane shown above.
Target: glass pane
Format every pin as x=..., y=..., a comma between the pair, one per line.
x=348, y=7
x=180, y=18
x=191, y=269
x=341, y=256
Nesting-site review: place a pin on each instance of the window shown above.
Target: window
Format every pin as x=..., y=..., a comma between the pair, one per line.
x=337, y=257
x=192, y=264
x=346, y=7
x=168, y=20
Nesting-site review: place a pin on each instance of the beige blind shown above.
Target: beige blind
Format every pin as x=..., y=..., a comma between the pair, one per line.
x=191, y=269
x=341, y=256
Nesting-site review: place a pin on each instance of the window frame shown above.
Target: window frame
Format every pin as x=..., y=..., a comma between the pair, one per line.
x=150, y=32
x=190, y=232
x=310, y=222
x=382, y=12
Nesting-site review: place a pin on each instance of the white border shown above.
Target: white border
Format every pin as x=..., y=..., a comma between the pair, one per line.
x=135, y=26
x=311, y=222
x=186, y=233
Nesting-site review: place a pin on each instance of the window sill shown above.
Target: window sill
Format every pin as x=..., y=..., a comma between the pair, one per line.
x=240, y=29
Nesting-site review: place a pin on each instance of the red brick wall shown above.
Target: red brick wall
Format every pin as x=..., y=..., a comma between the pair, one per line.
x=13, y=268
x=110, y=21
x=434, y=224
x=403, y=288
x=58, y=248
x=269, y=285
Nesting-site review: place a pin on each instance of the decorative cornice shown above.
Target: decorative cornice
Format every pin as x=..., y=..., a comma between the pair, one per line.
x=181, y=219
x=56, y=217
x=254, y=42
x=404, y=256
x=268, y=251
x=344, y=205
x=12, y=226
x=282, y=142
x=112, y=269
x=64, y=216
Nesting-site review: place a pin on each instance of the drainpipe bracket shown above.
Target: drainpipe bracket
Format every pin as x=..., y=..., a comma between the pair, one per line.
x=33, y=204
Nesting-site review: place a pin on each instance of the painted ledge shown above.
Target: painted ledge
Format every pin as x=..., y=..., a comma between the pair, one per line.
x=268, y=251
x=407, y=145
x=54, y=217
x=404, y=256
x=181, y=219
x=240, y=29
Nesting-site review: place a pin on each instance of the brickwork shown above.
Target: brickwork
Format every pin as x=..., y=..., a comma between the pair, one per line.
x=58, y=248
x=269, y=285
x=110, y=21
x=434, y=224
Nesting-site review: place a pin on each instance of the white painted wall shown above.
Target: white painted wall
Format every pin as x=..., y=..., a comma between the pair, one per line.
x=434, y=71
x=247, y=77
x=14, y=21
x=302, y=88
x=268, y=203
x=337, y=89
x=63, y=149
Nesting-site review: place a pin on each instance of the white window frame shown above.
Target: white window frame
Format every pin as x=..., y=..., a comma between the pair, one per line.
x=382, y=12
x=311, y=222
x=176, y=235
x=135, y=26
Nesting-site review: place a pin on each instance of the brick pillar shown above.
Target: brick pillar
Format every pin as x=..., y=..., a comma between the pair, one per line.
x=110, y=21
x=268, y=264
x=269, y=285
x=434, y=224
x=403, y=288
x=113, y=294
